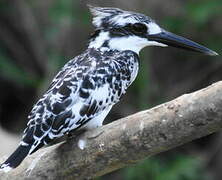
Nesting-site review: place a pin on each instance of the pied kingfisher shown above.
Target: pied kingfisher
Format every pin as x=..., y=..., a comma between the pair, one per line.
x=84, y=91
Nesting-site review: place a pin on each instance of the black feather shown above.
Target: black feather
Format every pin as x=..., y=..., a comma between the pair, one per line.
x=17, y=157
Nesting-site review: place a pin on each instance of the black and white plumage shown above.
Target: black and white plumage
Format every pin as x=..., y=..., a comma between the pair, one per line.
x=84, y=91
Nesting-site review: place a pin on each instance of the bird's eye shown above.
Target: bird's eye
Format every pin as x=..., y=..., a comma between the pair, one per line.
x=139, y=28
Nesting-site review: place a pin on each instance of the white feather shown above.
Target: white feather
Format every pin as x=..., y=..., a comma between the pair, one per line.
x=98, y=120
x=133, y=43
x=98, y=42
x=153, y=28
x=6, y=168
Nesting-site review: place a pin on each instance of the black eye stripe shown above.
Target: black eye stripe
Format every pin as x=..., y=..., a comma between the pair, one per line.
x=139, y=27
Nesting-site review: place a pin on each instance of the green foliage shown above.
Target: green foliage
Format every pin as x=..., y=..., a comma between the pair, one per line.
x=56, y=61
x=15, y=74
x=82, y=14
x=61, y=10
x=196, y=12
x=180, y=167
x=141, y=85
x=202, y=11
x=175, y=24
x=68, y=10
x=197, y=18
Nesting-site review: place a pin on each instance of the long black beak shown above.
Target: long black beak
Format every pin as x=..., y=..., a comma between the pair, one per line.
x=179, y=42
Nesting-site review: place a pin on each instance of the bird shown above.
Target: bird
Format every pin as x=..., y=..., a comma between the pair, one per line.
x=84, y=91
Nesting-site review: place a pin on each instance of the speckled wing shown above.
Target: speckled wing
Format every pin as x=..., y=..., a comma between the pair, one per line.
x=86, y=88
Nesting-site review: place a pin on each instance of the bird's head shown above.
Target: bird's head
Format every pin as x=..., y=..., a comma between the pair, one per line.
x=124, y=30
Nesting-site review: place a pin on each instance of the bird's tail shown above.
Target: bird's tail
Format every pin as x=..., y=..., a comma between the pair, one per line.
x=16, y=158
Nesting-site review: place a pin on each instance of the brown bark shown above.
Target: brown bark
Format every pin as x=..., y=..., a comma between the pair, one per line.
x=128, y=140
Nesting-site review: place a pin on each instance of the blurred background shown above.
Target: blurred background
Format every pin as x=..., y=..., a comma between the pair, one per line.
x=38, y=37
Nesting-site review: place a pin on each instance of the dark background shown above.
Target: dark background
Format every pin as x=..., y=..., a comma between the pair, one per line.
x=38, y=37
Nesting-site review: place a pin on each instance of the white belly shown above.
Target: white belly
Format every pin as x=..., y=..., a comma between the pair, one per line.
x=98, y=120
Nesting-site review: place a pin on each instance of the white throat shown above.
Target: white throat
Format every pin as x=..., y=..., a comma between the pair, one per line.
x=132, y=43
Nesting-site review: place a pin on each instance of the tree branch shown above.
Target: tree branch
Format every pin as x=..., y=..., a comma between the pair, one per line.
x=128, y=140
